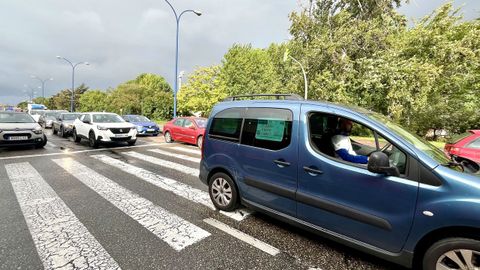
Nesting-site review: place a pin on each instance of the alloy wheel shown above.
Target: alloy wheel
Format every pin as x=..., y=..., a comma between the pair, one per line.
x=222, y=191
x=463, y=259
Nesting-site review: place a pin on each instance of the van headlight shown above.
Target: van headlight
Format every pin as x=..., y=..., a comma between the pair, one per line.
x=38, y=130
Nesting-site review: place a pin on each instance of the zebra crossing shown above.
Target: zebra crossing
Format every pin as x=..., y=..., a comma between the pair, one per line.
x=63, y=242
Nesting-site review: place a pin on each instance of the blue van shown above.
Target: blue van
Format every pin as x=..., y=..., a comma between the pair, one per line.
x=407, y=203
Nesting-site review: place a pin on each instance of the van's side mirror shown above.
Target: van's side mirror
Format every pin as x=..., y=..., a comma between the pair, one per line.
x=378, y=163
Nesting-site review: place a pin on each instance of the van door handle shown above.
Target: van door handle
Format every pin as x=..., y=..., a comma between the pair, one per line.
x=312, y=171
x=281, y=163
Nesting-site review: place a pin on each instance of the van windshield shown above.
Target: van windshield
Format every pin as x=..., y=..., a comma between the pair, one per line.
x=417, y=141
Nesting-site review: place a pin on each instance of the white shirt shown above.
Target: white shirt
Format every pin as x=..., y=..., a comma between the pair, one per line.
x=343, y=142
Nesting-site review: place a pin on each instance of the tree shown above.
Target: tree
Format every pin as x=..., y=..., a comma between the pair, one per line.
x=246, y=70
x=93, y=101
x=202, y=91
x=61, y=100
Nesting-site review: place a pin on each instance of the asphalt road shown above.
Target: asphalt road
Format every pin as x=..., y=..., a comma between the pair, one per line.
x=71, y=207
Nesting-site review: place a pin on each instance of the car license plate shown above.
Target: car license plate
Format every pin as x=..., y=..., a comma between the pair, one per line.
x=121, y=135
x=17, y=138
x=150, y=129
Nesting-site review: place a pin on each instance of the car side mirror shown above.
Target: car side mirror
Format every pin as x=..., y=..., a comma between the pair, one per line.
x=192, y=127
x=378, y=163
x=86, y=121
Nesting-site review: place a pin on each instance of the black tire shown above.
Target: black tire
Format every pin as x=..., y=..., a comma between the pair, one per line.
x=54, y=130
x=168, y=137
x=200, y=141
x=61, y=132
x=155, y=135
x=225, y=182
x=76, y=138
x=437, y=250
x=92, y=140
x=42, y=144
x=132, y=143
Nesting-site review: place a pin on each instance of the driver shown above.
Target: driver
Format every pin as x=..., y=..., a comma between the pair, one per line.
x=343, y=146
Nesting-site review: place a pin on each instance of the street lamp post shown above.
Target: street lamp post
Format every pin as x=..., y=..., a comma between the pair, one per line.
x=43, y=82
x=285, y=57
x=74, y=65
x=177, y=18
x=32, y=92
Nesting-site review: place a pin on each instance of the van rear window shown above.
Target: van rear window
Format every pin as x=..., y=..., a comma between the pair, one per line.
x=226, y=125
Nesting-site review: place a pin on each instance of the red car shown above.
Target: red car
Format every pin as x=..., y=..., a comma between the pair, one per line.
x=465, y=146
x=185, y=129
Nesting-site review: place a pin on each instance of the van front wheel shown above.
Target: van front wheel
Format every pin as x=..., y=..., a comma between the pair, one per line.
x=223, y=192
x=453, y=253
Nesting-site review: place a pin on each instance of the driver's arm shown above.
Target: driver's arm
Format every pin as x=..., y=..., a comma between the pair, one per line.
x=343, y=153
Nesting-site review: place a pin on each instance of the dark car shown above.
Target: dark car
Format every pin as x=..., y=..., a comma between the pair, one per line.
x=464, y=146
x=144, y=125
x=63, y=124
x=409, y=203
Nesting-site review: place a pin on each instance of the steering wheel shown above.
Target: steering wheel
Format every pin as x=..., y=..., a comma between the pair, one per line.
x=381, y=149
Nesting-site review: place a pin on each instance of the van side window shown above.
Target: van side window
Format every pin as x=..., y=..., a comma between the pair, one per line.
x=226, y=125
x=267, y=128
x=325, y=129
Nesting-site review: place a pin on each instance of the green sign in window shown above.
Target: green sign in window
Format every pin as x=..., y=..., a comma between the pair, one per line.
x=270, y=129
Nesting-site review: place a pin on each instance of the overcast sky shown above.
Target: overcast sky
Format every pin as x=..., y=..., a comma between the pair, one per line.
x=123, y=38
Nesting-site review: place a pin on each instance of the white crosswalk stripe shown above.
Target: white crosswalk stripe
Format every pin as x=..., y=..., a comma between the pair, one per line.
x=185, y=150
x=179, y=189
x=164, y=163
x=170, y=154
x=172, y=229
x=61, y=240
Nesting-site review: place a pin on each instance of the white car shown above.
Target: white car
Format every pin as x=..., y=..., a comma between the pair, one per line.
x=100, y=128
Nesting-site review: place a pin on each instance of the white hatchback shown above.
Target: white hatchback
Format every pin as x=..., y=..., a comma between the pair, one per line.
x=99, y=128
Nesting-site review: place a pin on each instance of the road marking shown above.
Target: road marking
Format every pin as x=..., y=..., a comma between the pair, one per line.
x=186, y=150
x=170, y=154
x=164, y=163
x=62, y=241
x=67, y=152
x=51, y=144
x=172, y=229
x=243, y=236
x=179, y=189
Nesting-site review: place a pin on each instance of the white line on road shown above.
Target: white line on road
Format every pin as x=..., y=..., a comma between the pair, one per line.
x=51, y=144
x=186, y=150
x=243, y=236
x=179, y=189
x=164, y=163
x=62, y=241
x=67, y=152
x=170, y=154
x=175, y=231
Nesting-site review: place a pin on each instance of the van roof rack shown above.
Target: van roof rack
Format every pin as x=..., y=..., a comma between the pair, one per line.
x=276, y=96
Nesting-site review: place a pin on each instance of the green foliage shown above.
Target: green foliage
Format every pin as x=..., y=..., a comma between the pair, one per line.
x=203, y=90
x=246, y=70
x=148, y=94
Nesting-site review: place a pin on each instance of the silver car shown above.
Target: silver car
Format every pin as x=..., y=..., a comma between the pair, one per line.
x=20, y=129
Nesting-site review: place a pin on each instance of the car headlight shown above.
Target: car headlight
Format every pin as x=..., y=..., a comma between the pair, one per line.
x=139, y=128
x=38, y=130
x=70, y=126
x=102, y=128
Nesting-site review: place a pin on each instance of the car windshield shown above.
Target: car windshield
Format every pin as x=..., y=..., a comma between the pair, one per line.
x=52, y=114
x=70, y=116
x=107, y=118
x=16, y=118
x=201, y=123
x=417, y=141
x=458, y=137
x=37, y=112
x=137, y=118
x=50, y=117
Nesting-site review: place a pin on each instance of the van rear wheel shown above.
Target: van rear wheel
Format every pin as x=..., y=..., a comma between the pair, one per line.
x=453, y=253
x=223, y=192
